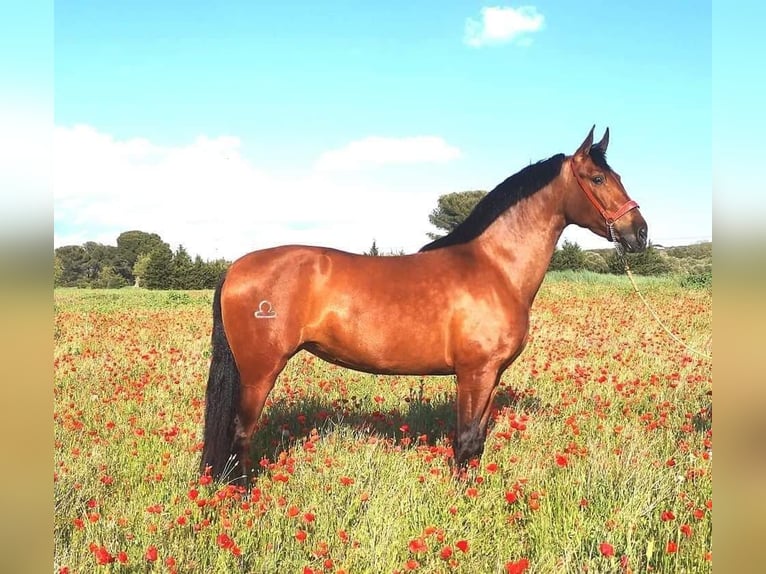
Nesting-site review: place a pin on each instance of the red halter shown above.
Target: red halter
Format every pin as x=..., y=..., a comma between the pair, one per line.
x=609, y=216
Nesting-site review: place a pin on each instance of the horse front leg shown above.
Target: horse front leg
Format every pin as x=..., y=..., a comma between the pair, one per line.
x=475, y=393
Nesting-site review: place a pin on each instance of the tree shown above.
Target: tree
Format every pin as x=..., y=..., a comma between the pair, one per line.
x=182, y=268
x=373, y=250
x=651, y=261
x=132, y=244
x=570, y=256
x=74, y=262
x=140, y=267
x=58, y=270
x=452, y=209
x=108, y=278
x=595, y=262
x=159, y=271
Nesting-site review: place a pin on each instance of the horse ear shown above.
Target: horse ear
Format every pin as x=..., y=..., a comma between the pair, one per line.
x=604, y=143
x=584, y=148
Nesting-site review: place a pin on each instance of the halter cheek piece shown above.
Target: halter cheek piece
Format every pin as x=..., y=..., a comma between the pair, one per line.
x=609, y=216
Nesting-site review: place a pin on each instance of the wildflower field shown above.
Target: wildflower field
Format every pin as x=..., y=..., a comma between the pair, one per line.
x=598, y=459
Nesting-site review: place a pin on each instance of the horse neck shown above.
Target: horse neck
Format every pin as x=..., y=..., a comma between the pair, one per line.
x=520, y=243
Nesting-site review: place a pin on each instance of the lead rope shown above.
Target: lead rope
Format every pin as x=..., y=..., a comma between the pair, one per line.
x=621, y=254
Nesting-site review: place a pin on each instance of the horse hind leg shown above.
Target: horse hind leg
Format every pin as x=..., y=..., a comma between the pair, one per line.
x=255, y=386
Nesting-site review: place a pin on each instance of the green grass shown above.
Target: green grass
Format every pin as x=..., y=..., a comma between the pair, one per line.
x=602, y=428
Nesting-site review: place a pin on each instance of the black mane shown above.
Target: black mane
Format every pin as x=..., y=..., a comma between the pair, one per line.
x=520, y=185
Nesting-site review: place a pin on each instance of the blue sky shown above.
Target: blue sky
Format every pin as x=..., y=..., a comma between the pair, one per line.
x=232, y=126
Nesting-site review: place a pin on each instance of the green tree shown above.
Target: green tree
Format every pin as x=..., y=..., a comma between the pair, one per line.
x=159, y=271
x=74, y=262
x=570, y=256
x=182, y=268
x=595, y=262
x=108, y=278
x=651, y=261
x=452, y=209
x=214, y=270
x=140, y=267
x=58, y=270
x=373, y=250
x=132, y=244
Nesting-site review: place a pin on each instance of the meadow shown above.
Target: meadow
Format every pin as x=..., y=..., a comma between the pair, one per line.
x=599, y=456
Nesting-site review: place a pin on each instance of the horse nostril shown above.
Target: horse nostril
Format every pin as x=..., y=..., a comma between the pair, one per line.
x=642, y=234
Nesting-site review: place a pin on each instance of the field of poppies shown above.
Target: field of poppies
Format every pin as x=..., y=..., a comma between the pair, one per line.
x=599, y=457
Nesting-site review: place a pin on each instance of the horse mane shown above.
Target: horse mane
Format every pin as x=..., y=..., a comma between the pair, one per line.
x=518, y=186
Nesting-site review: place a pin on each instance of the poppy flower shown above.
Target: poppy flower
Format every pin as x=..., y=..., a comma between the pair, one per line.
x=151, y=553
x=418, y=545
x=667, y=515
x=102, y=555
x=518, y=567
x=606, y=549
x=462, y=545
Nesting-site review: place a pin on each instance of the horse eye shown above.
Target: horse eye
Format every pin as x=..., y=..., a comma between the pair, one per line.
x=598, y=179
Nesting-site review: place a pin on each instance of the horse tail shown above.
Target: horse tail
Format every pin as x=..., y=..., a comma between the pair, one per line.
x=221, y=397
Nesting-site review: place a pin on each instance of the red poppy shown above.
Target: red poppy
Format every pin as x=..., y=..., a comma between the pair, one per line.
x=418, y=545
x=446, y=553
x=606, y=549
x=102, y=555
x=518, y=567
x=224, y=541
x=562, y=461
x=346, y=480
x=686, y=530
x=672, y=547
x=300, y=536
x=511, y=497
x=462, y=545
x=667, y=515
x=151, y=553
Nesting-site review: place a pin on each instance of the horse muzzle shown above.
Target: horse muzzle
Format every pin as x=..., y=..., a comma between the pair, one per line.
x=632, y=234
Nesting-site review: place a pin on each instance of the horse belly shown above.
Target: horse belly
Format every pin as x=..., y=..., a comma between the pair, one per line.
x=382, y=343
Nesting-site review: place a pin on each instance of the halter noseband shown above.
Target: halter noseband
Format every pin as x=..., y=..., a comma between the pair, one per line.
x=609, y=216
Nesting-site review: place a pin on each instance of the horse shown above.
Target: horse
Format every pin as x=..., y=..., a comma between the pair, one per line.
x=459, y=306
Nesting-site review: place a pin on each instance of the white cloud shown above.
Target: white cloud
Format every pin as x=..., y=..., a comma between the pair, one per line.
x=207, y=196
x=377, y=151
x=499, y=25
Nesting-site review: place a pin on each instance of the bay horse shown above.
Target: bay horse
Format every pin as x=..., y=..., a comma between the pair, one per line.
x=459, y=306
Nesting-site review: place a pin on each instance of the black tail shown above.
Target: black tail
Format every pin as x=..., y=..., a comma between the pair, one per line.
x=222, y=397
